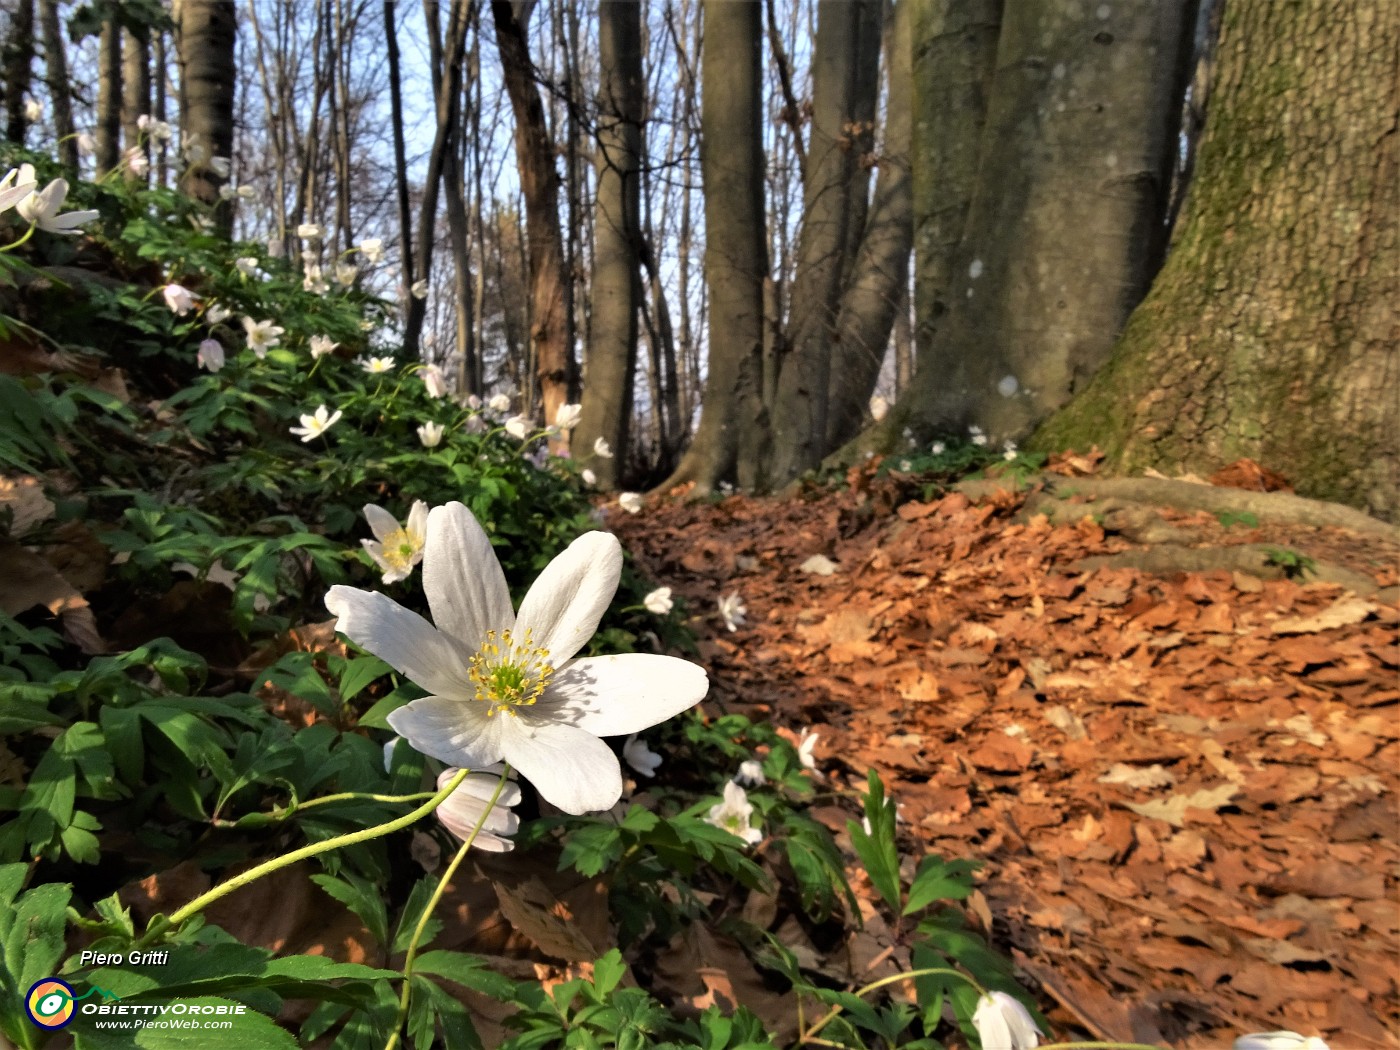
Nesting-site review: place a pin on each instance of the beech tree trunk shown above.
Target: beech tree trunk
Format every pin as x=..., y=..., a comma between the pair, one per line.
x=18, y=60
x=876, y=286
x=1271, y=332
x=612, y=346
x=206, y=31
x=845, y=78
x=736, y=255
x=109, y=96
x=1063, y=228
x=60, y=91
x=136, y=86
x=539, y=181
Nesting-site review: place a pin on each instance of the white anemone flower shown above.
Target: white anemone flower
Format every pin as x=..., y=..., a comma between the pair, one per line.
x=246, y=193
x=262, y=336
x=396, y=548
x=750, y=774
x=318, y=423
x=216, y=314
x=732, y=611
x=376, y=365
x=589, y=478
x=517, y=427
x=499, y=403
x=733, y=814
x=41, y=207
x=434, y=380
x=568, y=416
x=309, y=231
x=136, y=162
x=178, y=298
x=17, y=184
x=221, y=166
x=210, y=355
x=1002, y=1023
x=937, y=448
x=372, y=248
x=346, y=273
x=1279, y=1041
x=33, y=110
x=419, y=289
x=246, y=265
x=314, y=281
x=643, y=760
x=806, y=744
x=321, y=345
x=462, y=811
x=602, y=449
x=507, y=686
x=430, y=434
x=631, y=502
x=659, y=601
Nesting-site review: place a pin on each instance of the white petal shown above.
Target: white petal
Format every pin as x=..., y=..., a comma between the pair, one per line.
x=402, y=639
x=570, y=768
x=417, y=524
x=457, y=732
x=567, y=600
x=381, y=522
x=464, y=583
x=617, y=695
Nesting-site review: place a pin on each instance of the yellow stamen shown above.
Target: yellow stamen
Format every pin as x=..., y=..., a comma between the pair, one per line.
x=510, y=674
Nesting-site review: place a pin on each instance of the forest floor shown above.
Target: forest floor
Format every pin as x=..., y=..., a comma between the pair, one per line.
x=1183, y=785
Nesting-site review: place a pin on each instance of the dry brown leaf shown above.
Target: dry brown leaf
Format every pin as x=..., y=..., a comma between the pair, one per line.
x=1173, y=809
x=23, y=499
x=549, y=923
x=1346, y=610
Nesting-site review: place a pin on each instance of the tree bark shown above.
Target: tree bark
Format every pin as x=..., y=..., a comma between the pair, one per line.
x=206, y=31
x=391, y=37
x=539, y=181
x=136, y=87
x=60, y=91
x=109, y=96
x=736, y=257
x=876, y=287
x=845, y=78
x=1061, y=236
x=1271, y=331
x=612, y=347
x=18, y=54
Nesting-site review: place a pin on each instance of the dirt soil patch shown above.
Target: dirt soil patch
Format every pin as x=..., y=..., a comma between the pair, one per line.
x=1183, y=783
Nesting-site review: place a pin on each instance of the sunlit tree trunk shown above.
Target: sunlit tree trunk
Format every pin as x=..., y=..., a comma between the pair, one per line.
x=845, y=78
x=205, y=36
x=612, y=348
x=736, y=256
x=136, y=87
x=539, y=180
x=876, y=286
x=1271, y=331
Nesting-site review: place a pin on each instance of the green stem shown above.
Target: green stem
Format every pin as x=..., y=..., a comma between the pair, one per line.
x=407, y=992
x=27, y=234
x=203, y=901
x=861, y=993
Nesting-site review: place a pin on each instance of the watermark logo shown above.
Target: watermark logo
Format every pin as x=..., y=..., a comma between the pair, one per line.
x=50, y=1003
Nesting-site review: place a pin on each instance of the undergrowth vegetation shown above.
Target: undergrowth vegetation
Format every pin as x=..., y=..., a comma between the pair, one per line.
x=189, y=432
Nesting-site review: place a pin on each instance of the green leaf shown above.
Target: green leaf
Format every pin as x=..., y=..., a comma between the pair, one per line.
x=608, y=971
x=359, y=672
x=470, y=971
x=362, y=897
x=877, y=849
x=418, y=899
x=940, y=880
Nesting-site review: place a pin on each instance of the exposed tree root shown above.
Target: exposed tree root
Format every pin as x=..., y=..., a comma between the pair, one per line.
x=1254, y=559
x=1281, y=507
x=1129, y=507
